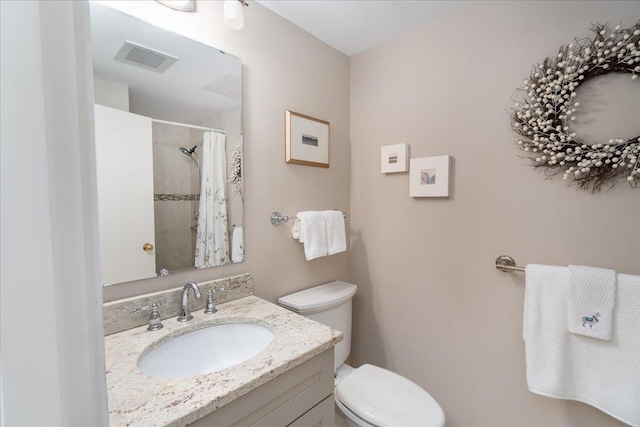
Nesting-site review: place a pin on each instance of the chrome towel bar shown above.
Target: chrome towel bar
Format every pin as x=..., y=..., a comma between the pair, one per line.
x=277, y=218
x=506, y=263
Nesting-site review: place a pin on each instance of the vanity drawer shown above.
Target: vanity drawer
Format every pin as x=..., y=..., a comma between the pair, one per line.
x=321, y=415
x=280, y=401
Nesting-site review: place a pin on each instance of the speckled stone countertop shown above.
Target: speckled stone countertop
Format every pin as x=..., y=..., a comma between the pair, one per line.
x=136, y=399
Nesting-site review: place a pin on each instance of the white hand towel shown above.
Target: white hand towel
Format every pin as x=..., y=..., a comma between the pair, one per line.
x=310, y=229
x=563, y=365
x=237, y=249
x=336, y=235
x=295, y=230
x=592, y=293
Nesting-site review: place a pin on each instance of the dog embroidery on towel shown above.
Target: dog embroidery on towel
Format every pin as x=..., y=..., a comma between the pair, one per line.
x=590, y=320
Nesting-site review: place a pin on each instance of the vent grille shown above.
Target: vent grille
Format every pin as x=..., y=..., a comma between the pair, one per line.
x=141, y=56
x=145, y=57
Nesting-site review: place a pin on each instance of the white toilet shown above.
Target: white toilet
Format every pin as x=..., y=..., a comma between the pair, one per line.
x=368, y=396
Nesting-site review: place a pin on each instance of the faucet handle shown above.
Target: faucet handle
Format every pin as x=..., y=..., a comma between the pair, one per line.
x=211, y=305
x=154, y=318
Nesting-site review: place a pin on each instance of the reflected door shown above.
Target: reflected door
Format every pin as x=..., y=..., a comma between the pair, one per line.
x=124, y=164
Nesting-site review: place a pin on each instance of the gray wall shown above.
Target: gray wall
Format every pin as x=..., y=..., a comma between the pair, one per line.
x=283, y=68
x=430, y=304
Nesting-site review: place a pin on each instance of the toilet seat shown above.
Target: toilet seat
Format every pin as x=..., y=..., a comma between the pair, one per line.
x=381, y=398
x=351, y=416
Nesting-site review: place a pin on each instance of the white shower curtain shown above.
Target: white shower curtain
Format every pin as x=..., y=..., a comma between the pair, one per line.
x=212, y=241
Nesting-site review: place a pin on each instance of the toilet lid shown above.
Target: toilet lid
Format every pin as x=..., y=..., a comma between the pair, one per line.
x=386, y=399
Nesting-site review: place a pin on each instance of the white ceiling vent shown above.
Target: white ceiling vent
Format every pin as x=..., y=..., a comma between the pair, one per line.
x=144, y=57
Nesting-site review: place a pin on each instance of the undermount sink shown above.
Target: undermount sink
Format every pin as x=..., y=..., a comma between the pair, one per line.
x=206, y=350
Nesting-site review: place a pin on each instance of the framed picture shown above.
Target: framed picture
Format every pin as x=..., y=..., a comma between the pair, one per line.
x=306, y=140
x=429, y=177
x=394, y=158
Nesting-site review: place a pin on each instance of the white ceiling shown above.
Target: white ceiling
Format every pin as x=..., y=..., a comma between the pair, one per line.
x=202, y=82
x=353, y=26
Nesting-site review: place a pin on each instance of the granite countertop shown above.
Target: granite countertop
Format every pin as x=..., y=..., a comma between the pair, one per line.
x=136, y=399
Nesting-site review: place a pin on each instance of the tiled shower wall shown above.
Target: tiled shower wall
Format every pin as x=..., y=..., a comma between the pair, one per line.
x=176, y=175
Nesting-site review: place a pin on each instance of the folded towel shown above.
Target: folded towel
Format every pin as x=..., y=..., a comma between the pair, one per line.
x=592, y=293
x=563, y=365
x=237, y=246
x=310, y=229
x=336, y=235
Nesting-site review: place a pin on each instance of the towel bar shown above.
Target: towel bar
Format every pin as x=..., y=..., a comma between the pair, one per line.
x=277, y=218
x=506, y=263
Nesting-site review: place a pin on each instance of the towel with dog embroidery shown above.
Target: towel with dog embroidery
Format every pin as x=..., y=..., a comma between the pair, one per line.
x=592, y=294
x=564, y=365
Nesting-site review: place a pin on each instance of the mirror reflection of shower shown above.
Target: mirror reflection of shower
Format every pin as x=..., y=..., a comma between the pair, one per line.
x=177, y=159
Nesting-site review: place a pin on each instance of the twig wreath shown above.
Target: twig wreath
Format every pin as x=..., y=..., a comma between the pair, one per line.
x=235, y=169
x=542, y=118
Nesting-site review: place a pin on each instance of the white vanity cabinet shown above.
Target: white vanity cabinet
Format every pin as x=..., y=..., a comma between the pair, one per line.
x=300, y=397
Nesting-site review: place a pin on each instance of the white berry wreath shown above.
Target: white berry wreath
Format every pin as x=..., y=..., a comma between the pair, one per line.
x=542, y=118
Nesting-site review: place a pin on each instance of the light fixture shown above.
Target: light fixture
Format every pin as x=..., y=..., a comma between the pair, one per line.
x=233, y=14
x=181, y=5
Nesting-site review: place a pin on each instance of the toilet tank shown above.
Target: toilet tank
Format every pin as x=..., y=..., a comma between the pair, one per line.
x=329, y=304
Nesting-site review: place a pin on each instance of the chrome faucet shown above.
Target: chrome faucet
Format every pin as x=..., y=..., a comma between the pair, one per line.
x=185, y=313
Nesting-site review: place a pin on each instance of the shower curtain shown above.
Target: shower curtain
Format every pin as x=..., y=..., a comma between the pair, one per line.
x=212, y=241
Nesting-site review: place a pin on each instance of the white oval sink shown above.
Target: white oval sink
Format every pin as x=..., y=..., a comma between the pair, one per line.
x=206, y=350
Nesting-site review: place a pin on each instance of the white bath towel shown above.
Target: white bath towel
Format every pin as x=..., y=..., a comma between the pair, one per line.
x=237, y=245
x=310, y=229
x=563, y=365
x=336, y=235
x=591, y=299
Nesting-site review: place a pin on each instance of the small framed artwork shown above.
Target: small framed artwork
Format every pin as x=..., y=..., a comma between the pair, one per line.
x=306, y=140
x=429, y=177
x=394, y=158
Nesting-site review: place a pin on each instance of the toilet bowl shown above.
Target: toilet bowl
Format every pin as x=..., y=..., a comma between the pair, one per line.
x=373, y=396
x=368, y=396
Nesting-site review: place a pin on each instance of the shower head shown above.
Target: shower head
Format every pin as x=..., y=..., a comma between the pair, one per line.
x=189, y=153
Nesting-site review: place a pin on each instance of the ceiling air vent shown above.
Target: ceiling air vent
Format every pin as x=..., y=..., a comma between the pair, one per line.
x=227, y=84
x=144, y=57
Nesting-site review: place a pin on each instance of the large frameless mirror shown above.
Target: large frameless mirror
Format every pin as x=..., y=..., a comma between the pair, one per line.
x=168, y=123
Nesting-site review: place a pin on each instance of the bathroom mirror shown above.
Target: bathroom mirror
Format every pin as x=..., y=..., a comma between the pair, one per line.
x=168, y=130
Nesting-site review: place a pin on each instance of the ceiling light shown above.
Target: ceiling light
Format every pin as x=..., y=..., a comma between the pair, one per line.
x=233, y=14
x=182, y=5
